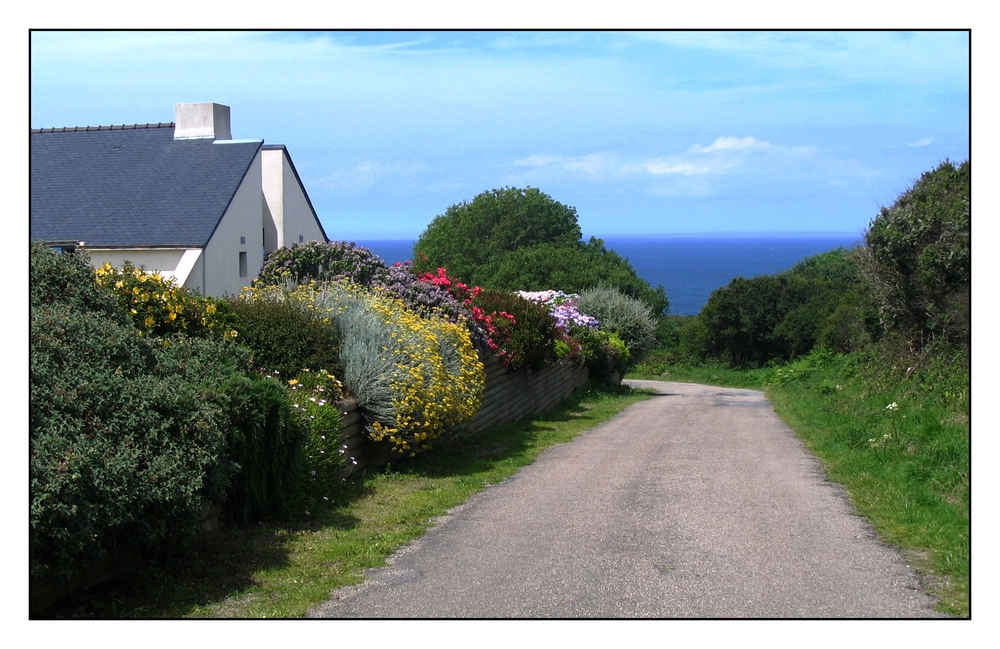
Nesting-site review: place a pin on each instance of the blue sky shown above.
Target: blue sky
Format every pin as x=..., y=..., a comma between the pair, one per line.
x=660, y=132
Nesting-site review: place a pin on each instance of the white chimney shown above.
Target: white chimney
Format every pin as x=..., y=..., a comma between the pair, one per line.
x=202, y=121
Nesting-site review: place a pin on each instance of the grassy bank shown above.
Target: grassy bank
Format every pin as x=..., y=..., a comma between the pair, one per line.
x=896, y=437
x=281, y=572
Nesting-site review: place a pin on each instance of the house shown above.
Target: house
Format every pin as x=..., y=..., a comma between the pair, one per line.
x=183, y=198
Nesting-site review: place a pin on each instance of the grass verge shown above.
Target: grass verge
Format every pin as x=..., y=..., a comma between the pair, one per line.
x=282, y=572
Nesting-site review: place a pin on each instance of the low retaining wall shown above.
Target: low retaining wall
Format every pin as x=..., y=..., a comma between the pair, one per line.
x=508, y=396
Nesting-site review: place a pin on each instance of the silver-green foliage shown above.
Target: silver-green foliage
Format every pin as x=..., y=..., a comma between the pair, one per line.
x=630, y=318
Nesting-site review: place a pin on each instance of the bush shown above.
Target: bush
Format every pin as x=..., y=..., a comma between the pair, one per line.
x=125, y=448
x=318, y=261
x=917, y=257
x=604, y=353
x=572, y=268
x=132, y=435
x=415, y=377
x=159, y=307
x=284, y=336
x=315, y=398
x=774, y=318
x=629, y=317
x=524, y=334
x=265, y=442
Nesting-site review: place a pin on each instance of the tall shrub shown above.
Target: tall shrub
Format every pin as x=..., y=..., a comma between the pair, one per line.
x=917, y=257
x=126, y=445
x=319, y=261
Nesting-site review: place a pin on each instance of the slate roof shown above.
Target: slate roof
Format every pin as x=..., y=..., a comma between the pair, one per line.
x=132, y=186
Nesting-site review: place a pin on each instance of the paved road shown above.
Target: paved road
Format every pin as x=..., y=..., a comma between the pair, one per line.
x=696, y=503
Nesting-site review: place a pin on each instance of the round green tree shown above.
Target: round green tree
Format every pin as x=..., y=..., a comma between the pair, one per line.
x=473, y=233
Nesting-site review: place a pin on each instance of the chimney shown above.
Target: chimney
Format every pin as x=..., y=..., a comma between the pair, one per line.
x=196, y=121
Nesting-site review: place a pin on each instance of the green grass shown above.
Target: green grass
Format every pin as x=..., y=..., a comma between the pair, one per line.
x=282, y=572
x=906, y=468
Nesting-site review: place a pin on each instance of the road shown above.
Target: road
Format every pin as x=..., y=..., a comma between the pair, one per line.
x=696, y=503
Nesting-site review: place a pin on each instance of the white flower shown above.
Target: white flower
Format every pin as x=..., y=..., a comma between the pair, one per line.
x=892, y=406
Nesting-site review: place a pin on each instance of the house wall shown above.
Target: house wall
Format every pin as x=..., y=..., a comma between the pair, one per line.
x=181, y=264
x=239, y=231
x=286, y=204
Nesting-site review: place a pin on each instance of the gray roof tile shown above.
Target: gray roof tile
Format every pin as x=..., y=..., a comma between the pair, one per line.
x=132, y=186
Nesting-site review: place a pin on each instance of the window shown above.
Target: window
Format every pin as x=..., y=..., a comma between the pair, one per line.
x=243, y=241
x=300, y=238
x=243, y=264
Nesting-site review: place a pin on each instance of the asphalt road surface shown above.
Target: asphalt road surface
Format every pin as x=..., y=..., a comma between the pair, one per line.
x=696, y=503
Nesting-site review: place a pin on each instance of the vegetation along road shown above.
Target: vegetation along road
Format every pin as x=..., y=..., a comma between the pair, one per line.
x=698, y=502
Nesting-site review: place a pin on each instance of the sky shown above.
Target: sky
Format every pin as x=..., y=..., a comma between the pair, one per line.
x=643, y=132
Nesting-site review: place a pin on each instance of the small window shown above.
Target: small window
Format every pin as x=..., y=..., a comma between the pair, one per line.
x=243, y=241
x=300, y=238
x=243, y=264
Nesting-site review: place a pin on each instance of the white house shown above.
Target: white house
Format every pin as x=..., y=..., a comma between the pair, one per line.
x=183, y=198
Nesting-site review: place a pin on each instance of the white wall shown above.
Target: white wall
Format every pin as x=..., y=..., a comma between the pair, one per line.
x=242, y=219
x=286, y=202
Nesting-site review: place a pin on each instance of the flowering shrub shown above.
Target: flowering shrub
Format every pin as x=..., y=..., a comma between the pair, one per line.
x=523, y=331
x=315, y=398
x=319, y=261
x=563, y=308
x=158, y=306
x=416, y=377
x=427, y=295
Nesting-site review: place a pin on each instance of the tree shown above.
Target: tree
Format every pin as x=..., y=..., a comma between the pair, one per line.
x=473, y=233
x=522, y=239
x=571, y=269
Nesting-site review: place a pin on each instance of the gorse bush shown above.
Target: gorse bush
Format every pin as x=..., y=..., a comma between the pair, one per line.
x=157, y=306
x=626, y=316
x=916, y=260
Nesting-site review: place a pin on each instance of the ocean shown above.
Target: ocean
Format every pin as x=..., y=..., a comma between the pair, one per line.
x=688, y=267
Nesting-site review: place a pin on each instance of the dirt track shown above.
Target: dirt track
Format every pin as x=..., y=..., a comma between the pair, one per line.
x=698, y=502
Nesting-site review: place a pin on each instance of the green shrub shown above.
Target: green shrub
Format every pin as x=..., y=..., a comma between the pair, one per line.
x=629, y=317
x=315, y=398
x=604, y=353
x=123, y=452
x=529, y=342
x=473, y=233
x=572, y=268
x=265, y=442
x=917, y=257
x=284, y=336
x=131, y=435
x=68, y=279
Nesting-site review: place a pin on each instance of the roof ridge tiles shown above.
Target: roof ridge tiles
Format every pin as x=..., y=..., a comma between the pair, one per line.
x=113, y=127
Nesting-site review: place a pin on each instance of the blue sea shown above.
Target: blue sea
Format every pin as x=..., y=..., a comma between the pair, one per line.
x=689, y=267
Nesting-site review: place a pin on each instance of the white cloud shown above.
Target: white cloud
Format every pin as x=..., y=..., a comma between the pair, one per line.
x=730, y=144
x=924, y=141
